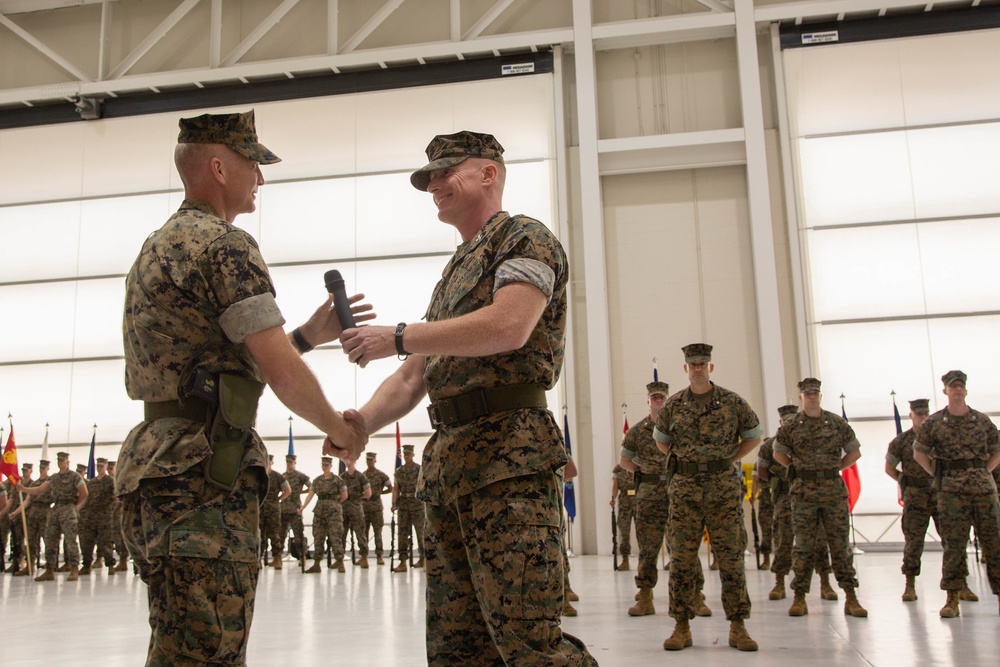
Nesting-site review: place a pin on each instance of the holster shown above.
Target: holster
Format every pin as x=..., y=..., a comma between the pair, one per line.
x=229, y=424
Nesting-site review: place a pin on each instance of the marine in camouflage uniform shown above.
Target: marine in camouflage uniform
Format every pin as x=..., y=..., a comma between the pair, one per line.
x=623, y=500
x=116, y=527
x=706, y=429
x=820, y=445
x=963, y=445
x=774, y=482
x=299, y=483
x=69, y=492
x=11, y=528
x=765, y=515
x=358, y=490
x=36, y=515
x=492, y=343
x=410, y=511
x=200, y=301
x=95, y=519
x=270, y=515
x=374, y=519
x=328, y=516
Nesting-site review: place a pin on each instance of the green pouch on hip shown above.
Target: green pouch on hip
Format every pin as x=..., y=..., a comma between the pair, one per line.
x=230, y=428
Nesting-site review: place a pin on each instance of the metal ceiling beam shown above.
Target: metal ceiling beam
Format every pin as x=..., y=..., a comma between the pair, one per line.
x=24, y=6
x=262, y=29
x=43, y=49
x=152, y=38
x=811, y=8
x=663, y=30
x=716, y=5
x=369, y=27
x=489, y=17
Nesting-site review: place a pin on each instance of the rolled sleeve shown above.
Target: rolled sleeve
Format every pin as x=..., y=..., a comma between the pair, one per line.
x=627, y=454
x=249, y=316
x=526, y=270
x=763, y=463
x=781, y=449
x=852, y=446
x=892, y=460
x=660, y=436
x=752, y=434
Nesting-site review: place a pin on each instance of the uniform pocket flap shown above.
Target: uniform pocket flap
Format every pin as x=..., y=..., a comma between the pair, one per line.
x=526, y=512
x=215, y=543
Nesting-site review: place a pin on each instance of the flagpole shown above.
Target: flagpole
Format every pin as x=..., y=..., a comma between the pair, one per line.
x=854, y=532
x=569, y=530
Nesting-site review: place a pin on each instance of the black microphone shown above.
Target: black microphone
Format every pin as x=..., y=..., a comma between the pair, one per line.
x=335, y=286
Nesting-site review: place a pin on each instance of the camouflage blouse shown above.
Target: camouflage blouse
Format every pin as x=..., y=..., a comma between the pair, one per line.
x=328, y=490
x=706, y=434
x=945, y=437
x=64, y=485
x=356, y=484
x=299, y=482
x=100, y=495
x=378, y=481
x=817, y=443
x=901, y=451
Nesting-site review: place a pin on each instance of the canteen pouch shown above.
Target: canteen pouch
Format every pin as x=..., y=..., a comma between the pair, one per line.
x=229, y=428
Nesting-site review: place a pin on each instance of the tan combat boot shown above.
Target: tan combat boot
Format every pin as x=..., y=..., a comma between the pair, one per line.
x=680, y=639
x=571, y=595
x=700, y=608
x=363, y=562
x=63, y=568
x=739, y=638
x=277, y=564
x=401, y=567
x=950, y=608
x=851, y=605
x=799, y=606
x=419, y=563
x=111, y=570
x=765, y=562
x=315, y=569
x=85, y=570
x=379, y=560
x=909, y=593
x=644, y=607
x=99, y=563
x=23, y=572
x=568, y=609
x=122, y=565
x=74, y=573
x=48, y=575
x=338, y=565
x=778, y=592
x=623, y=566
x=966, y=594
x=825, y=589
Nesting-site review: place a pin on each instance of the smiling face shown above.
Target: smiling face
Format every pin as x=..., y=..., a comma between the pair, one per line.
x=243, y=177
x=457, y=190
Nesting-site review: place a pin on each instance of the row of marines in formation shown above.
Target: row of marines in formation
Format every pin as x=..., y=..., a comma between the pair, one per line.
x=678, y=476
x=82, y=514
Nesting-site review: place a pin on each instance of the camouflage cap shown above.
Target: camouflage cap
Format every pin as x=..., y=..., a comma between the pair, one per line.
x=697, y=353
x=920, y=405
x=407, y=449
x=291, y=457
x=787, y=410
x=235, y=130
x=27, y=466
x=112, y=463
x=809, y=384
x=657, y=388
x=953, y=376
x=327, y=460
x=81, y=467
x=42, y=463
x=370, y=456
x=270, y=457
x=447, y=150
x=101, y=461
x=62, y=456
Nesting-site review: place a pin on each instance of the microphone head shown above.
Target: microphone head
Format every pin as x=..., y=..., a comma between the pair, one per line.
x=331, y=279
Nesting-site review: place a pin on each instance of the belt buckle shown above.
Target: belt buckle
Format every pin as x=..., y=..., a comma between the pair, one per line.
x=434, y=412
x=703, y=467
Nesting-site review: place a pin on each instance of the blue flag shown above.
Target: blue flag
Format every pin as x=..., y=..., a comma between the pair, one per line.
x=895, y=416
x=291, y=441
x=91, y=466
x=569, y=495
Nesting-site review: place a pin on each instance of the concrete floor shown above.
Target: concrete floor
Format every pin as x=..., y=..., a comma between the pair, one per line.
x=376, y=617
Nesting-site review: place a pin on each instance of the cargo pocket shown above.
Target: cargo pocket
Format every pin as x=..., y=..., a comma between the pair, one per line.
x=533, y=565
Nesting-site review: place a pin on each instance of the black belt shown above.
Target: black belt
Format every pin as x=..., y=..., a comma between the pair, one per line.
x=481, y=402
x=831, y=473
x=646, y=478
x=192, y=408
x=962, y=464
x=408, y=495
x=693, y=467
x=327, y=496
x=916, y=482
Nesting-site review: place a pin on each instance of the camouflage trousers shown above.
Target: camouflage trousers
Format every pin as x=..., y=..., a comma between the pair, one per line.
x=4, y=531
x=374, y=521
x=292, y=519
x=270, y=528
x=626, y=517
x=919, y=507
x=328, y=524
x=495, y=577
x=95, y=529
x=38, y=518
x=16, y=531
x=784, y=539
x=409, y=518
x=956, y=513
x=652, y=513
x=354, y=523
x=816, y=520
x=765, y=517
x=196, y=548
x=63, y=520
x=712, y=501
x=116, y=531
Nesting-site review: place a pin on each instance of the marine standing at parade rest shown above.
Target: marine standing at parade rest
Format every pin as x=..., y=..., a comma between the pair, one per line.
x=963, y=446
x=36, y=513
x=299, y=483
x=202, y=335
x=270, y=514
x=379, y=483
x=774, y=481
x=410, y=511
x=820, y=445
x=328, y=516
x=641, y=456
x=116, y=527
x=358, y=490
x=706, y=429
x=623, y=495
x=69, y=493
x=492, y=344
x=761, y=494
x=12, y=522
x=95, y=519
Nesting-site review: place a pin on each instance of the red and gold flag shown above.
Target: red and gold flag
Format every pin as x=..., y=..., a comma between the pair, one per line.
x=8, y=465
